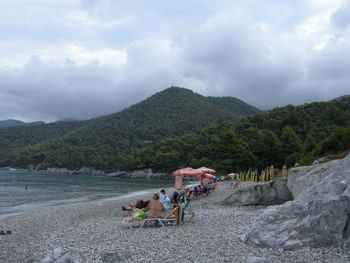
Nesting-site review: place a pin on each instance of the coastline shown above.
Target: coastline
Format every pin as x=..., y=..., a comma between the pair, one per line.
x=95, y=227
x=137, y=174
x=128, y=196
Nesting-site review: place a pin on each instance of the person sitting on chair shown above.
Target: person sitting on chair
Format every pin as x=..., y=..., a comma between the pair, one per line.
x=164, y=198
x=155, y=207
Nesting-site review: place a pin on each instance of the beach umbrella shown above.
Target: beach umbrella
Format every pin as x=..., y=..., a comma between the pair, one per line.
x=207, y=170
x=284, y=171
x=205, y=178
x=272, y=171
x=178, y=182
x=202, y=172
x=210, y=176
x=262, y=176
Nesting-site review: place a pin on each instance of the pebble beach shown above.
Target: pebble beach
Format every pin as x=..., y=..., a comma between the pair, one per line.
x=97, y=228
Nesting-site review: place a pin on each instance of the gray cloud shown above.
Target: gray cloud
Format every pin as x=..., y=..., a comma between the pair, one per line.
x=97, y=57
x=341, y=18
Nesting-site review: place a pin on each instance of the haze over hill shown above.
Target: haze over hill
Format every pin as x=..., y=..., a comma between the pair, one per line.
x=101, y=142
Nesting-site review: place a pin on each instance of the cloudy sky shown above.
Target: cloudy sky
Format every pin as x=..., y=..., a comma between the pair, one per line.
x=86, y=58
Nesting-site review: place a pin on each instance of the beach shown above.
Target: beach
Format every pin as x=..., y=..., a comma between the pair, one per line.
x=96, y=228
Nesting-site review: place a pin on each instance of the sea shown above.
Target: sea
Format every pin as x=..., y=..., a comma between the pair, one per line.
x=29, y=191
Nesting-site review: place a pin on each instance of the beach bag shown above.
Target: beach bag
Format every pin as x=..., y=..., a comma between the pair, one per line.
x=139, y=214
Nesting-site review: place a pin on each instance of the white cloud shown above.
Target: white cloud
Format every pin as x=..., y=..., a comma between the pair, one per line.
x=78, y=54
x=92, y=57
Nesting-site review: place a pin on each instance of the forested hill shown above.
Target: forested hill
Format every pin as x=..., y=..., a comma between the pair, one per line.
x=103, y=141
x=12, y=123
x=283, y=135
x=19, y=136
x=233, y=105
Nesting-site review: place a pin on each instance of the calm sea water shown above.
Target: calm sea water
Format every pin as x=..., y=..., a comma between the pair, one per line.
x=29, y=191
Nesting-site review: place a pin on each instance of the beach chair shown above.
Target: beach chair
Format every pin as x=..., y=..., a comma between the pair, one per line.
x=188, y=211
x=183, y=211
x=167, y=220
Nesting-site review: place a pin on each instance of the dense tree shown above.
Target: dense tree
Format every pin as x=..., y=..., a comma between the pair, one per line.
x=102, y=142
x=284, y=135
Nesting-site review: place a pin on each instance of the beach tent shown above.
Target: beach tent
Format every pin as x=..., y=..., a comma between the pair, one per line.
x=202, y=173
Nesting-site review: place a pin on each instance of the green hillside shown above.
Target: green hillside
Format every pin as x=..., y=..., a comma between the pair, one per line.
x=283, y=135
x=16, y=137
x=233, y=105
x=105, y=140
x=12, y=123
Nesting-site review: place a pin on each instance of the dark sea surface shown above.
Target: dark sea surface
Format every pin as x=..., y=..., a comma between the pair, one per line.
x=29, y=191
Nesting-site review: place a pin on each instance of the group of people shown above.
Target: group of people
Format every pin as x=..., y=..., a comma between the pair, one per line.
x=162, y=203
x=198, y=190
x=158, y=206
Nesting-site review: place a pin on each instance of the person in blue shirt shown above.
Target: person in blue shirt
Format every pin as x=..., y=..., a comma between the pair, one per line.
x=164, y=198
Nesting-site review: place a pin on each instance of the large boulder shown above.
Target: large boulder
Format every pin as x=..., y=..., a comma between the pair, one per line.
x=270, y=193
x=303, y=178
x=318, y=216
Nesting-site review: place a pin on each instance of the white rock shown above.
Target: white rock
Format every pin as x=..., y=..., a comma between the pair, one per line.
x=318, y=216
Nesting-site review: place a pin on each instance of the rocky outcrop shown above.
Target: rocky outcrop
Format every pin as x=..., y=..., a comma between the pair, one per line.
x=141, y=174
x=84, y=170
x=318, y=216
x=63, y=255
x=147, y=174
x=271, y=193
x=303, y=178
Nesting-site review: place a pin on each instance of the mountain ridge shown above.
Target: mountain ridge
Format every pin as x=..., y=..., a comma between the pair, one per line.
x=284, y=135
x=100, y=142
x=14, y=123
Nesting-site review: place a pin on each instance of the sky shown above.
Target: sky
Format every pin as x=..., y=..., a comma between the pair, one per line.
x=86, y=58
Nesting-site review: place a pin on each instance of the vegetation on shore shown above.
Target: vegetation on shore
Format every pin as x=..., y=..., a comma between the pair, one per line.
x=284, y=135
x=177, y=128
x=102, y=142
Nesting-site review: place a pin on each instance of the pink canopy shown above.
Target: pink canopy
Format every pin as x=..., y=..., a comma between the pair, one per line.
x=207, y=170
x=188, y=171
x=205, y=175
x=202, y=173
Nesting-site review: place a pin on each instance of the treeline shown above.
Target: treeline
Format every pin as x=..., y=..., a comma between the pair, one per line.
x=103, y=142
x=20, y=136
x=284, y=135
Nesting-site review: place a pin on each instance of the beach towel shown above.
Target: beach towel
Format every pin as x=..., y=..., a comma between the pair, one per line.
x=139, y=214
x=181, y=214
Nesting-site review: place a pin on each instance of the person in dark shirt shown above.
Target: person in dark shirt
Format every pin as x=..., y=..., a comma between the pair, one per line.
x=140, y=204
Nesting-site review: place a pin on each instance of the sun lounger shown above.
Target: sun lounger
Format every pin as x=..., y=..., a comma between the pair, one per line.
x=188, y=211
x=185, y=210
x=167, y=220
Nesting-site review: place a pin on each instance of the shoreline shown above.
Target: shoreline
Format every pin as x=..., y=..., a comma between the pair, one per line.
x=213, y=235
x=121, y=197
x=142, y=174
